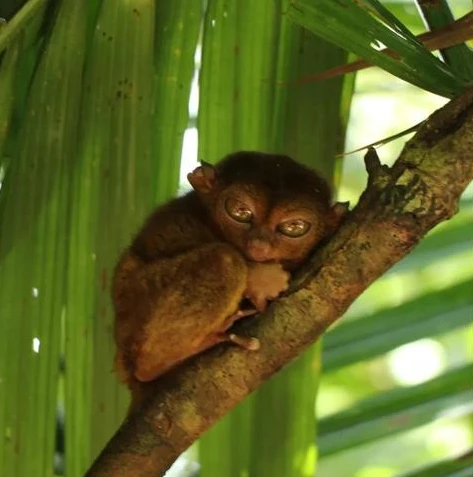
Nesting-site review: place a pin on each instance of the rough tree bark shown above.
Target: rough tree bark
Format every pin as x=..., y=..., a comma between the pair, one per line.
x=399, y=206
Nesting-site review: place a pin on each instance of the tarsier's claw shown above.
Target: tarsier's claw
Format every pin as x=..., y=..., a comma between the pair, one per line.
x=238, y=315
x=247, y=312
x=251, y=344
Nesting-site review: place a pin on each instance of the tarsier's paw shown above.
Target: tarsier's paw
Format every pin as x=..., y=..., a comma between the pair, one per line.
x=266, y=281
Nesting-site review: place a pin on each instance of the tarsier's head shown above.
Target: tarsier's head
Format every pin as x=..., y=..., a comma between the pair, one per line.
x=270, y=207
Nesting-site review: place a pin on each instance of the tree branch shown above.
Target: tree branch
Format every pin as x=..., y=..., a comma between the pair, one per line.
x=399, y=206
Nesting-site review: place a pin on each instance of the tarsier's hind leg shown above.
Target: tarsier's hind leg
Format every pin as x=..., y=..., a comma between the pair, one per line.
x=193, y=310
x=152, y=362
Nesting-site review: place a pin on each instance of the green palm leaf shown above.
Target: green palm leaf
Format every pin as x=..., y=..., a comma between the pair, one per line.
x=364, y=28
x=397, y=410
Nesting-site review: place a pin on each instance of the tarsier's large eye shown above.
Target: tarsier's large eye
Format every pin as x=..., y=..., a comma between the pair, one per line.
x=238, y=211
x=294, y=228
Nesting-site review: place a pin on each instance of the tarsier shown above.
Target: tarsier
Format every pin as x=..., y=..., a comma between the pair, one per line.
x=249, y=222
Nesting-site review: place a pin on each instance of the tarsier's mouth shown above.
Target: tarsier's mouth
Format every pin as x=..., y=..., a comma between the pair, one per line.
x=252, y=258
x=259, y=254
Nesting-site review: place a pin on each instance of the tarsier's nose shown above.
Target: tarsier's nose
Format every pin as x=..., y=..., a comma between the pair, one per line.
x=259, y=250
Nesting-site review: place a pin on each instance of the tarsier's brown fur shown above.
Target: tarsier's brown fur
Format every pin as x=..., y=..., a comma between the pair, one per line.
x=249, y=222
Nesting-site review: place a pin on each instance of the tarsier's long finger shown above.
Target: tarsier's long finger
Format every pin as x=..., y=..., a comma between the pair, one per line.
x=246, y=312
x=238, y=315
x=249, y=343
x=259, y=302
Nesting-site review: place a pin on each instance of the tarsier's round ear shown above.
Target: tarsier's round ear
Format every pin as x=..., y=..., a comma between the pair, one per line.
x=202, y=179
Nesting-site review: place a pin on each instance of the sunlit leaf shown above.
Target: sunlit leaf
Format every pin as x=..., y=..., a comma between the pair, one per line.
x=398, y=410
x=429, y=315
x=459, y=57
x=177, y=30
x=34, y=212
x=365, y=28
x=460, y=467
